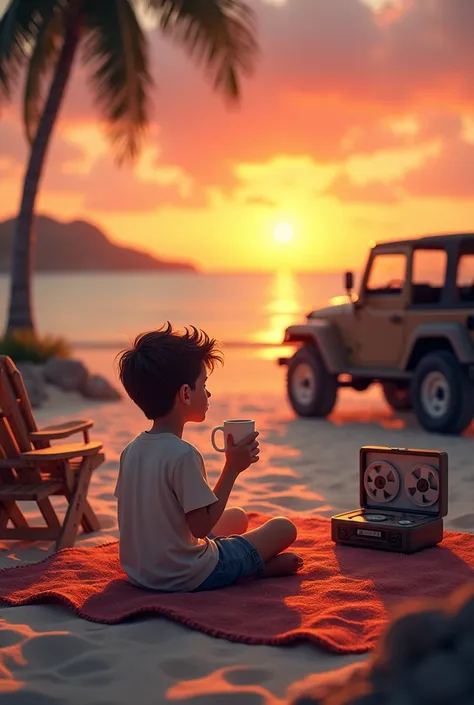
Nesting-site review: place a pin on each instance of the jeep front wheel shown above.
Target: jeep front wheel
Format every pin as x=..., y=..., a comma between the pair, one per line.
x=397, y=396
x=312, y=390
x=443, y=394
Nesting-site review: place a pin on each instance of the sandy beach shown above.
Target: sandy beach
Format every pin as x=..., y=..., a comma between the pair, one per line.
x=308, y=467
x=242, y=166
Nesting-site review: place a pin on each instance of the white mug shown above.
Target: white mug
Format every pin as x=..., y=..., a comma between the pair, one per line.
x=237, y=428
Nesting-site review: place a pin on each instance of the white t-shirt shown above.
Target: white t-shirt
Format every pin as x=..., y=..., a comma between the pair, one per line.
x=161, y=478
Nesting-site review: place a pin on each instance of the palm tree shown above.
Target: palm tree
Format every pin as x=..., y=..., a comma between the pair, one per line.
x=45, y=35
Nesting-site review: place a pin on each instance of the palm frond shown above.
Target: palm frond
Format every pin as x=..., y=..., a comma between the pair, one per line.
x=19, y=28
x=42, y=59
x=116, y=47
x=219, y=33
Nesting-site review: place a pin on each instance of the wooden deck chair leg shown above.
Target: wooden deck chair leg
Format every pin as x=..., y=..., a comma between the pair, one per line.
x=5, y=514
x=14, y=513
x=4, y=517
x=77, y=504
x=49, y=515
x=89, y=521
x=10, y=510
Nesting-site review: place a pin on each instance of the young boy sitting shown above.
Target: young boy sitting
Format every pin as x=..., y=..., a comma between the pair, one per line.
x=176, y=534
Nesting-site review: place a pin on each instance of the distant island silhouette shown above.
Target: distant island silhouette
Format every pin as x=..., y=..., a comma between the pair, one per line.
x=79, y=246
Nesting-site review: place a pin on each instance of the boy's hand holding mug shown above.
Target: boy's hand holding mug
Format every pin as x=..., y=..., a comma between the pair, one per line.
x=241, y=445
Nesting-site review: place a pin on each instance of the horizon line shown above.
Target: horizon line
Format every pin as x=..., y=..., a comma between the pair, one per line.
x=198, y=272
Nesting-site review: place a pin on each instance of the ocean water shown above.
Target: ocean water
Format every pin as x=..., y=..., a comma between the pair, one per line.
x=106, y=310
x=100, y=313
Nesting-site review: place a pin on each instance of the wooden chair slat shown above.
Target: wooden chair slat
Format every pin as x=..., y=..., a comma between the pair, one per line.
x=20, y=391
x=29, y=533
x=11, y=452
x=24, y=493
x=8, y=442
x=10, y=407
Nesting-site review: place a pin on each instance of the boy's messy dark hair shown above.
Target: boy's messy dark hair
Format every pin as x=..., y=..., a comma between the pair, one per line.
x=161, y=361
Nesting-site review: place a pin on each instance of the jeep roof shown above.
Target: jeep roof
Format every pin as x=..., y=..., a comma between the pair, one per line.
x=426, y=240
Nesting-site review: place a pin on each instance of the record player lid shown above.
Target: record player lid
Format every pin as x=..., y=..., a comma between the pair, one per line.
x=404, y=479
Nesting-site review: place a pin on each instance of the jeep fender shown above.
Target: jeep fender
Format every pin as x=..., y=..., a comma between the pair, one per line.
x=326, y=337
x=454, y=333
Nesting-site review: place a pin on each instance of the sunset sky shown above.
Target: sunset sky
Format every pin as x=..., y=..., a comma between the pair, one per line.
x=358, y=125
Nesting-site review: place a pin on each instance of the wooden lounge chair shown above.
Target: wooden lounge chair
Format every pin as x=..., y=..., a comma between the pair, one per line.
x=31, y=469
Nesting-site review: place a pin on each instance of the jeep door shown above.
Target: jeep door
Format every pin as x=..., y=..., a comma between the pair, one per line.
x=463, y=289
x=380, y=311
x=427, y=302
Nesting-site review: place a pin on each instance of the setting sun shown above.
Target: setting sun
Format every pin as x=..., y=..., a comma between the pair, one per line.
x=283, y=233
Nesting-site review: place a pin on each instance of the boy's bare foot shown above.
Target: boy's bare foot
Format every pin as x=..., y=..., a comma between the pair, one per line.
x=283, y=564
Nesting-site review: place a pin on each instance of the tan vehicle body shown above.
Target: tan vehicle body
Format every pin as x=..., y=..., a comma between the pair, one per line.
x=382, y=333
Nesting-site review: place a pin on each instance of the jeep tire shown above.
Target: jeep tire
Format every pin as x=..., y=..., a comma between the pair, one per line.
x=397, y=395
x=442, y=393
x=312, y=390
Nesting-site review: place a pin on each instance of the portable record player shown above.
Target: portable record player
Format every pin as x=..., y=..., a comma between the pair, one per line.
x=403, y=499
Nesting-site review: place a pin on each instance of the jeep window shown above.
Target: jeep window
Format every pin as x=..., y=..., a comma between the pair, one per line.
x=428, y=276
x=387, y=274
x=465, y=277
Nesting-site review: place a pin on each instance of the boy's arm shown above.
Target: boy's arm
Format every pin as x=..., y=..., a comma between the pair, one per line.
x=202, y=521
x=238, y=458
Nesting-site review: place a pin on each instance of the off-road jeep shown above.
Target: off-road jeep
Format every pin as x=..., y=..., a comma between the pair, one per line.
x=410, y=328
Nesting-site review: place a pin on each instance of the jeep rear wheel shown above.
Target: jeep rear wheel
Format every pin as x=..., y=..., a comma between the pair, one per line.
x=397, y=395
x=443, y=394
x=312, y=390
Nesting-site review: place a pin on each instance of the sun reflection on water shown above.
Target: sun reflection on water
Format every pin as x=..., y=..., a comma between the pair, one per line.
x=282, y=308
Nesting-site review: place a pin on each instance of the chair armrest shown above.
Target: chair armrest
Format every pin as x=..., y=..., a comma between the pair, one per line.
x=62, y=430
x=61, y=452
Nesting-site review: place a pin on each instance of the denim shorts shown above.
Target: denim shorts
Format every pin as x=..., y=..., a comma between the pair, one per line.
x=238, y=559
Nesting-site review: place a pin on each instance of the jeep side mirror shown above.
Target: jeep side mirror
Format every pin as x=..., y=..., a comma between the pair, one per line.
x=349, y=282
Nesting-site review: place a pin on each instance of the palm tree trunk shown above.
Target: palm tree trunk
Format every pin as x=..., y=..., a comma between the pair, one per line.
x=20, y=312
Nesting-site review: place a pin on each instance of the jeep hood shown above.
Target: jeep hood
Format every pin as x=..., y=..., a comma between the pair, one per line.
x=342, y=309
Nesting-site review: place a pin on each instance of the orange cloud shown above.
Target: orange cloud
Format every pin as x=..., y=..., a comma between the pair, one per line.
x=108, y=189
x=102, y=187
x=328, y=69
x=344, y=189
x=449, y=174
x=13, y=146
x=346, y=105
